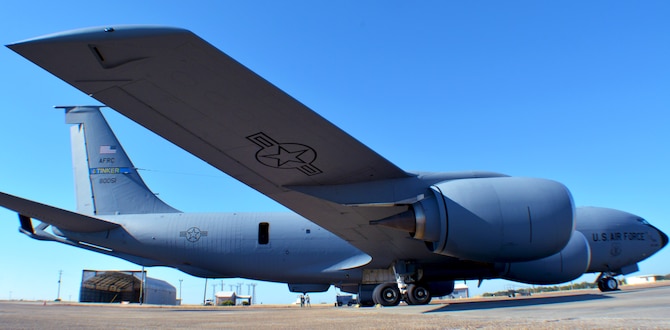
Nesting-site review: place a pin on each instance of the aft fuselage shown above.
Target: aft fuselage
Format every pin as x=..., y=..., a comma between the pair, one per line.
x=279, y=247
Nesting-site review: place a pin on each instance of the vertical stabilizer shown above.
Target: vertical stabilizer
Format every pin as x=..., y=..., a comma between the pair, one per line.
x=106, y=182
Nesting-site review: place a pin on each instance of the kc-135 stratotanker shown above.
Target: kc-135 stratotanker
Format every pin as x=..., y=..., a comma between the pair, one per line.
x=360, y=223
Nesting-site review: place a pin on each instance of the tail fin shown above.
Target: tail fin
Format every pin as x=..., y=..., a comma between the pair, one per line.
x=106, y=182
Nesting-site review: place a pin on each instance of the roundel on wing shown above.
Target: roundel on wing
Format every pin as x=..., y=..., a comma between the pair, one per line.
x=286, y=155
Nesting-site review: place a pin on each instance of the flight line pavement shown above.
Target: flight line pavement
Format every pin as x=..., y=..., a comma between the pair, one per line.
x=633, y=307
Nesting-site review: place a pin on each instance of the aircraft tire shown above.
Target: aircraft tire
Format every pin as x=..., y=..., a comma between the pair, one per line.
x=418, y=294
x=601, y=285
x=365, y=297
x=607, y=284
x=386, y=294
x=611, y=284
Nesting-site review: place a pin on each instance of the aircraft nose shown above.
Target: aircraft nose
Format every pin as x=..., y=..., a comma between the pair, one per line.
x=664, y=237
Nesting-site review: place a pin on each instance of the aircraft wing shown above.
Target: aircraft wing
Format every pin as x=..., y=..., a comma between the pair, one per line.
x=179, y=86
x=62, y=219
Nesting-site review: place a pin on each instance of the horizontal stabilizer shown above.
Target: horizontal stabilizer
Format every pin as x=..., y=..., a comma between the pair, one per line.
x=62, y=219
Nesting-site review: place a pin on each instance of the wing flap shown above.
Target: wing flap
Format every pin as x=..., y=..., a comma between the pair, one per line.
x=59, y=218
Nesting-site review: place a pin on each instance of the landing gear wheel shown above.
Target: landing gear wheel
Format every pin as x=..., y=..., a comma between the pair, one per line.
x=611, y=284
x=601, y=287
x=418, y=294
x=607, y=284
x=386, y=294
x=365, y=295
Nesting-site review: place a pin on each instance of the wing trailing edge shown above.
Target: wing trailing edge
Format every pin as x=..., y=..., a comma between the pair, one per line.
x=391, y=192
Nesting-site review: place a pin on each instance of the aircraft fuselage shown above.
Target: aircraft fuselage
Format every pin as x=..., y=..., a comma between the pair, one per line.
x=284, y=247
x=220, y=245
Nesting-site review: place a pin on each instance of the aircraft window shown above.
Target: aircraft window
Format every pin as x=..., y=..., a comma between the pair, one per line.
x=263, y=233
x=642, y=221
x=308, y=231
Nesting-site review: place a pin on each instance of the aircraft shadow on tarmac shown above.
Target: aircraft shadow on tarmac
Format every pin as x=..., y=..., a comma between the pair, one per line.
x=534, y=301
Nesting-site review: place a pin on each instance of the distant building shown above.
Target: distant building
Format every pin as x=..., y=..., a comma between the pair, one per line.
x=107, y=286
x=642, y=279
x=223, y=296
x=460, y=291
x=230, y=298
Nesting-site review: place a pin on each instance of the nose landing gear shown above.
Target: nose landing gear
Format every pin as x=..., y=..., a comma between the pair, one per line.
x=607, y=283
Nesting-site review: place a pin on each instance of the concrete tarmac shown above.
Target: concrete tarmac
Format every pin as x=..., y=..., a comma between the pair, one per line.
x=632, y=307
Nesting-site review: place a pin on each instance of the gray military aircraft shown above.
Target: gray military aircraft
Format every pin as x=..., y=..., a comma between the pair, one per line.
x=360, y=223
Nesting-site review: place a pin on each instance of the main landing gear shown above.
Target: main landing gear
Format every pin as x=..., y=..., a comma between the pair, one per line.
x=417, y=294
x=408, y=286
x=388, y=294
x=607, y=283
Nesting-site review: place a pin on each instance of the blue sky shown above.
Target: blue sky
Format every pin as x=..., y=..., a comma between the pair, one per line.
x=572, y=91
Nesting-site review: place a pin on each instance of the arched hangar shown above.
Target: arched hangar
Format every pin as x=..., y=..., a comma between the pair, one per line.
x=114, y=286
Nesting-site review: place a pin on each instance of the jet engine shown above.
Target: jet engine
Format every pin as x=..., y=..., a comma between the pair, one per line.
x=441, y=288
x=502, y=219
x=561, y=267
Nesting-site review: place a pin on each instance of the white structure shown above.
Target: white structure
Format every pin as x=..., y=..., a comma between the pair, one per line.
x=460, y=291
x=223, y=296
x=642, y=279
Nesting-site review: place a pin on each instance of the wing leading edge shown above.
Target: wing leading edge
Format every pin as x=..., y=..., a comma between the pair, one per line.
x=169, y=79
x=184, y=89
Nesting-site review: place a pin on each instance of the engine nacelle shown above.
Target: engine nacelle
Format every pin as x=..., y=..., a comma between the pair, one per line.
x=561, y=267
x=441, y=288
x=505, y=219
